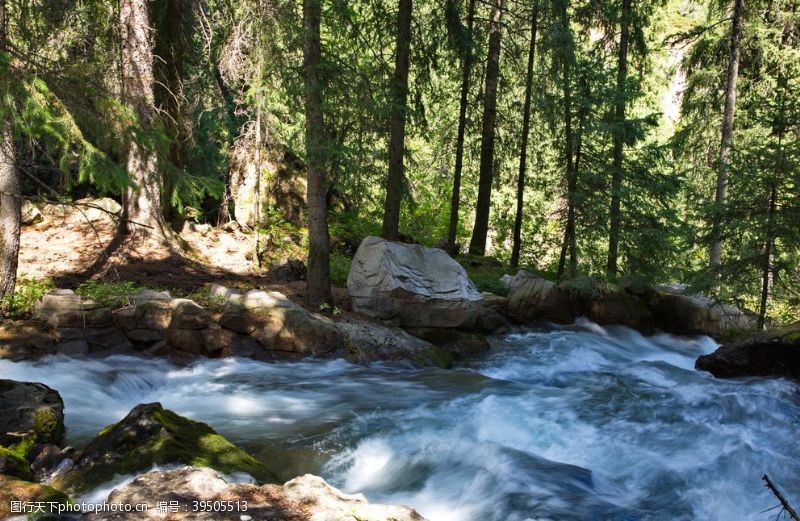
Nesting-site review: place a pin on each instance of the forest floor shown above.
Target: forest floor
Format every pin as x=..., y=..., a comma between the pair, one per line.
x=69, y=250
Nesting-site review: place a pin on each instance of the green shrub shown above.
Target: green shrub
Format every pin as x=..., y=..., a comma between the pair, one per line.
x=340, y=268
x=27, y=292
x=111, y=294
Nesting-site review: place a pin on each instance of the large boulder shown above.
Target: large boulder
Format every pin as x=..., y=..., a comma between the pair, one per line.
x=767, y=354
x=306, y=498
x=534, y=299
x=30, y=411
x=412, y=285
x=695, y=314
x=151, y=435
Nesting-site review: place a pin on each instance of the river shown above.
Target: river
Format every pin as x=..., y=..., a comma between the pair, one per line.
x=581, y=422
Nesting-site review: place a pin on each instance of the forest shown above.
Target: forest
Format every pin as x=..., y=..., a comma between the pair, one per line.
x=397, y=260
x=610, y=139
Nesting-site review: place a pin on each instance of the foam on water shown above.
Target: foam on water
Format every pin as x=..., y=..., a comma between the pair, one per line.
x=581, y=422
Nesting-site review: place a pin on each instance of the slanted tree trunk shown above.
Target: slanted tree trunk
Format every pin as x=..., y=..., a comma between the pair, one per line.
x=10, y=202
x=723, y=166
x=466, y=69
x=319, y=286
x=569, y=243
x=620, y=100
x=143, y=199
x=169, y=47
x=477, y=245
x=523, y=152
x=397, y=123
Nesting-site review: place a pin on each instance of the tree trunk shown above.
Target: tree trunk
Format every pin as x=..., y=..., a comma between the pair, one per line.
x=523, y=152
x=10, y=202
x=620, y=101
x=319, y=286
x=397, y=123
x=466, y=69
x=169, y=47
x=143, y=199
x=570, y=242
x=477, y=245
x=766, y=267
x=715, y=256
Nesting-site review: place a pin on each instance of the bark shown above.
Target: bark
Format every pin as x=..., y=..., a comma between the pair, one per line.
x=766, y=267
x=480, y=230
x=319, y=287
x=397, y=123
x=569, y=243
x=620, y=101
x=466, y=70
x=169, y=47
x=224, y=214
x=10, y=202
x=723, y=166
x=523, y=152
x=143, y=199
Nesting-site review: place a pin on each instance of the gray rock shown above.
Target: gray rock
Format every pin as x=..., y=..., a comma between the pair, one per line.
x=306, y=498
x=412, y=285
x=695, y=314
x=30, y=409
x=287, y=270
x=30, y=214
x=533, y=299
x=366, y=342
x=73, y=348
x=96, y=209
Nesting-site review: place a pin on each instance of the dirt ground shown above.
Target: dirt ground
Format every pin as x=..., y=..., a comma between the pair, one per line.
x=68, y=249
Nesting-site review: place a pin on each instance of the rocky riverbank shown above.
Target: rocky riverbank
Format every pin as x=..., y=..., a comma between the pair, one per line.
x=38, y=475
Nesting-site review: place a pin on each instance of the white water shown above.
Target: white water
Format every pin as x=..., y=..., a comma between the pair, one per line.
x=576, y=423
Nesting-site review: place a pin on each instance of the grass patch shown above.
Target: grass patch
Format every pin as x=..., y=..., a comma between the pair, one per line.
x=340, y=268
x=110, y=294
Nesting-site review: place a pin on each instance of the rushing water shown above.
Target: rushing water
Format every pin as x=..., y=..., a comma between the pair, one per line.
x=576, y=423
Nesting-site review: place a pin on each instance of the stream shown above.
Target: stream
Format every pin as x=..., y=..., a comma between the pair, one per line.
x=580, y=422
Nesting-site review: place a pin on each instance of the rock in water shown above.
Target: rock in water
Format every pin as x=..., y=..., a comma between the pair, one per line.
x=18, y=490
x=204, y=495
x=775, y=354
x=30, y=409
x=533, y=299
x=412, y=285
x=696, y=314
x=151, y=435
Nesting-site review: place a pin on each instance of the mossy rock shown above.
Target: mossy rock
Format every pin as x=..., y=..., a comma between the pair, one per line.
x=30, y=409
x=434, y=357
x=13, y=489
x=13, y=463
x=151, y=435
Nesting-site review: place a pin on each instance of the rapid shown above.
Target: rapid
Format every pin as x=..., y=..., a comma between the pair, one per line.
x=579, y=422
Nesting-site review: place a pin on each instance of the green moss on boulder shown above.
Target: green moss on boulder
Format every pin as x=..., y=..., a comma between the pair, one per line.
x=13, y=489
x=151, y=435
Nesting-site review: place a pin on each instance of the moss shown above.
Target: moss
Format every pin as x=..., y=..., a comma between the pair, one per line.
x=14, y=464
x=12, y=489
x=180, y=441
x=434, y=357
x=793, y=336
x=48, y=427
x=6, y=385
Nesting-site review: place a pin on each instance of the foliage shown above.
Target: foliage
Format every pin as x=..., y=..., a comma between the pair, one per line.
x=111, y=294
x=26, y=294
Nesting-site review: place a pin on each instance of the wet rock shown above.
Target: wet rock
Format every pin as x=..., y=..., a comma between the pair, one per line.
x=73, y=347
x=12, y=489
x=30, y=411
x=367, y=342
x=47, y=459
x=287, y=270
x=151, y=435
x=306, y=498
x=768, y=354
x=26, y=340
x=534, y=299
x=696, y=314
x=618, y=308
x=412, y=285
x=460, y=344
x=13, y=464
